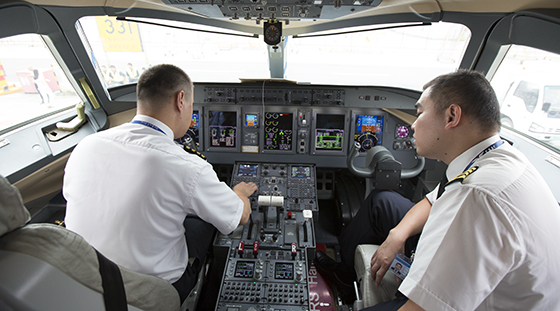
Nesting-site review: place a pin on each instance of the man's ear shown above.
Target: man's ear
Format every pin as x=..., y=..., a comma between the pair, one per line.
x=180, y=101
x=453, y=115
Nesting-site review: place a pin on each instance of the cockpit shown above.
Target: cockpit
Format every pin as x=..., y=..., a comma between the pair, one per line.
x=312, y=100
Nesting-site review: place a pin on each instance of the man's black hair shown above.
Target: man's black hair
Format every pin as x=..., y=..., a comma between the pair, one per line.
x=158, y=83
x=472, y=92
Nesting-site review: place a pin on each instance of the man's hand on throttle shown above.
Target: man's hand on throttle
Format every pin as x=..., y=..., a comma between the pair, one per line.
x=246, y=189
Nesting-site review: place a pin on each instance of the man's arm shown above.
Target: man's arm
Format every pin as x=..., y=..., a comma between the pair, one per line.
x=244, y=191
x=411, y=224
x=410, y=306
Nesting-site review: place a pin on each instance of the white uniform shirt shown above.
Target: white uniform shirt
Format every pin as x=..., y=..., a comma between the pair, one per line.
x=129, y=190
x=492, y=242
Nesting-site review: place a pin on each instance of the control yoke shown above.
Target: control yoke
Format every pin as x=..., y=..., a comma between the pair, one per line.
x=382, y=171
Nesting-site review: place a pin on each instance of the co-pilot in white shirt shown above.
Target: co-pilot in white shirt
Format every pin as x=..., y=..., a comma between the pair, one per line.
x=492, y=242
x=129, y=189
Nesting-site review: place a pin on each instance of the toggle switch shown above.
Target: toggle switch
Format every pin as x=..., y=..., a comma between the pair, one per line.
x=255, y=249
x=240, y=249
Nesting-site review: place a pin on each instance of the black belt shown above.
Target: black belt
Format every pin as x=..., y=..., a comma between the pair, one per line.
x=114, y=294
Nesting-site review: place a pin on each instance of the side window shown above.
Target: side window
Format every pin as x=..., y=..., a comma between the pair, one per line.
x=527, y=83
x=529, y=93
x=32, y=84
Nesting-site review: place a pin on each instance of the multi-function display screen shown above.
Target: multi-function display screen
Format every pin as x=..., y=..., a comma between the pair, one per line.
x=329, y=132
x=251, y=120
x=248, y=170
x=284, y=271
x=369, y=131
x=192, y=133
x=222, y=128
x=244, y=269
x=278, y=131
x=301, y=171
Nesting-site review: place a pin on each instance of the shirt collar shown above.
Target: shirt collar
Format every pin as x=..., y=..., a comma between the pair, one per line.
x=458, y=164
x=156, y=122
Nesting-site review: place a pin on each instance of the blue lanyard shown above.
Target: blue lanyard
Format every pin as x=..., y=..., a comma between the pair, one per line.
x=148, y=124
x=485, y=151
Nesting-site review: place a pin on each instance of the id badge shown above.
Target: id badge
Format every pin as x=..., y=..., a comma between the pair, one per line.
x=400, y=266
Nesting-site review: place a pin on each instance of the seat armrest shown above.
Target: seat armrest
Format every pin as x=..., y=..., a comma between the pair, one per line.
x=370, y=293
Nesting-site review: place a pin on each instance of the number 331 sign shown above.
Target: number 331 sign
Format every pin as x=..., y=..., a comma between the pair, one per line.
x=118, y=36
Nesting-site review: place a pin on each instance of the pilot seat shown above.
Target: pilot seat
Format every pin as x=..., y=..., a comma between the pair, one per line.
x=47, y=267
x=382, y=172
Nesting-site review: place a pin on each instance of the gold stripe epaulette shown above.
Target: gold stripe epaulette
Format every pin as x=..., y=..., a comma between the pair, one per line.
x=191, y=150
x=463, y=175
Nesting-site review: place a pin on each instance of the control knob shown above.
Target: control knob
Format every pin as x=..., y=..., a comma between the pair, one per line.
x=259, y=269
x=299, y=271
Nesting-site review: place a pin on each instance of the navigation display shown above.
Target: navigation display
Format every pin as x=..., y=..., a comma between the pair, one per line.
x=244, y=269
x=284, y=271
x=191, y=136
x=278, y=131
x=369, y=131
x=248, y=170
x=329, y=132
x=301, y=171
x=222, y=127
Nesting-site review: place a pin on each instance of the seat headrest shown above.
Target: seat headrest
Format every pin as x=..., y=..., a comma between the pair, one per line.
x=13, y=214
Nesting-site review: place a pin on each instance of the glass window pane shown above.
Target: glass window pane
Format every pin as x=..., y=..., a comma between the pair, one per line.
x=121, y=50
x=528, y=88
x=401, y=57
x=32, y=84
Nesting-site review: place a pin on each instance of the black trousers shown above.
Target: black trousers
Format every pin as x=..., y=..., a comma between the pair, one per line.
x=199, y=235
x=379, y=213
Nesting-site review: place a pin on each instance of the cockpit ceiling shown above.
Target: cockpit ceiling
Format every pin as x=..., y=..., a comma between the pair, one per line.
x=310, y=10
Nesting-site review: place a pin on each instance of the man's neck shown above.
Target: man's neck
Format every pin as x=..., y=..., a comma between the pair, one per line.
x=163, y=117
x=464, y=143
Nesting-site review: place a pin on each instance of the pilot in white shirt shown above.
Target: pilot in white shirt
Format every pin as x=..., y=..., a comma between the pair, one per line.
x=129, y=189
x=488, y=237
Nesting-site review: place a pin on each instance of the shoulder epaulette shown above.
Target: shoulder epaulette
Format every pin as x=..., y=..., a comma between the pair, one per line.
x=461, y=177
x=191, y=150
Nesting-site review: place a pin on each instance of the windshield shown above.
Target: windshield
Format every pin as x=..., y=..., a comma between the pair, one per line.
x=402, y=57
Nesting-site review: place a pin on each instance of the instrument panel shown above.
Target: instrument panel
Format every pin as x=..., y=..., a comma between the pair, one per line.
x=316, y=124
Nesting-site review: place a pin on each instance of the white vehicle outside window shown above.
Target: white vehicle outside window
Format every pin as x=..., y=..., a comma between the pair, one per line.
x=528, y=88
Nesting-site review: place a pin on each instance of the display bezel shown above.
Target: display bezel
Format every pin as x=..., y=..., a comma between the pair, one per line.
x=293, y=113
x=257, y=117
x=207, y=131
x=369, y=112
x=315, y=127
x=285, y=264
x=291, y=172
x=246, y=276
x=254, y=165
x=198, y=128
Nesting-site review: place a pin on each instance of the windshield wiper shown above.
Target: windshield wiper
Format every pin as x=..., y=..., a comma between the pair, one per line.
x=363, y=30
x=185, y=28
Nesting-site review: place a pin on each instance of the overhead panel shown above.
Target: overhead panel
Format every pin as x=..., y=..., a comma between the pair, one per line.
x=270, y=10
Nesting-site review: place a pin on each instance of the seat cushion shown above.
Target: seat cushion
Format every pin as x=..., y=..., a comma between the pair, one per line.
x=70, y=253
x=372, y=294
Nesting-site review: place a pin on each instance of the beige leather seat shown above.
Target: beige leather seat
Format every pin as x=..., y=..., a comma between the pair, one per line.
x=47, y=267
x=369, y=292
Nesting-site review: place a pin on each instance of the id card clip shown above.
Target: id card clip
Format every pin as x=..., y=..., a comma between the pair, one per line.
x=400, y=266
